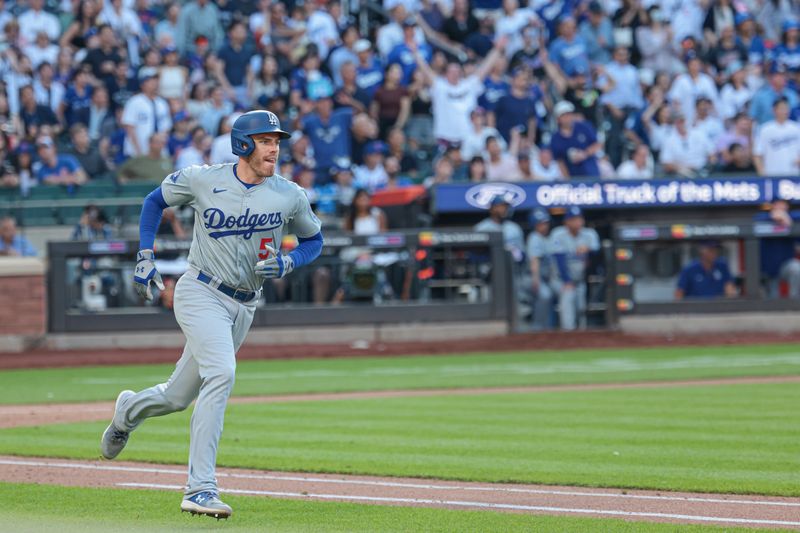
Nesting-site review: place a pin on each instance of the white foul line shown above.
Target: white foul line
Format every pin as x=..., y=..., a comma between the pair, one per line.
x=395, y=484
x=458, y=503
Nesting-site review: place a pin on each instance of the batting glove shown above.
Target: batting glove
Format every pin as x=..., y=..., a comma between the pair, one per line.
x=277, y=266
x=145, y=273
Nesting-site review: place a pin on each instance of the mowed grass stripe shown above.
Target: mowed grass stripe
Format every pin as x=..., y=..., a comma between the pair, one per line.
x=419, y=372
x=47, y=509
x=679, y=438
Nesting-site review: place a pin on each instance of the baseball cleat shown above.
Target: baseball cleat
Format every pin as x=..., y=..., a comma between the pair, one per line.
x=206, y=503
x=114, y=439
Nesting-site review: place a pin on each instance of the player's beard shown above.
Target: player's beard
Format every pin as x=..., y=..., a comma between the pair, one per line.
x=261, y=167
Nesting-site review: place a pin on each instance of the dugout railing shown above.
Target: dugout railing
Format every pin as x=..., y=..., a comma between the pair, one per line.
x=424, y=276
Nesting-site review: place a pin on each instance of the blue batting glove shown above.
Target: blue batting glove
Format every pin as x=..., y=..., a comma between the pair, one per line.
x=145, y=273
x=277, y=266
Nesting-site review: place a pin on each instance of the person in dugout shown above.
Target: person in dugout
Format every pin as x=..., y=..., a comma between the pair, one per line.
x=708, y=276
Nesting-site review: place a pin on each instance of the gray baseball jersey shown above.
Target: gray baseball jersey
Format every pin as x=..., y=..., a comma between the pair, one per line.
x=234, y=223
x=564, y=242
x=513, y=236
x=539, y=246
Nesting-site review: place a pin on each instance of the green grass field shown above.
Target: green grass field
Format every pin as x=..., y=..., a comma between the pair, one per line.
x=419, y=372
x=43, y=509
x=739, y=438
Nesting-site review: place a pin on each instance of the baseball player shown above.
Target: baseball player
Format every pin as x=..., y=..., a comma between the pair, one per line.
x=242, y=211
x=570, y=246
x=538, y=251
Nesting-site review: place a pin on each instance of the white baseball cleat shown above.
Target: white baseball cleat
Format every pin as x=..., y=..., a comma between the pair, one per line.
x=206, y=503
x=114, y=439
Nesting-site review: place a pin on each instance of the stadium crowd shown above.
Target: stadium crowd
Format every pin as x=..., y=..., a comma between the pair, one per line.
x=439, y=91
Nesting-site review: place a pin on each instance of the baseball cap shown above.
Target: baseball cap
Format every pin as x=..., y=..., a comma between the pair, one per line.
x=44, y=141
x=539, y=215
x=734, y=67
x=362, y=45
x=740, y=18
x=572, y=212
x=791, y=24
x=595, y=7
x=498, y=199
x=409, y=22
x=181, y=115
x=340, y=167
x=168, y=50
x=563, y=107
x=375, y=147
x=145, y=73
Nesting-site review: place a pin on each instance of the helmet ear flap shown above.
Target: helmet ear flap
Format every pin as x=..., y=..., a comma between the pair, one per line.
x=242, y=145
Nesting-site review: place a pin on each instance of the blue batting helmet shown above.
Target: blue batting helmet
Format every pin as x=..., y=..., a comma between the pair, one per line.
x=252, y=123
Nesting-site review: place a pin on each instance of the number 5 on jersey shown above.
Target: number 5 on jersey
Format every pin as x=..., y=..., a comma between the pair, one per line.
x=264, y=246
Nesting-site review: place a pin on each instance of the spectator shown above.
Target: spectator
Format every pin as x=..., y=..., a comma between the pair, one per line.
x=706, y=121
x=598, y=34
x=181, y=135
x=460, y=167
x=622, y=98
x=46, y=90
x=41, y=51
x=739, y=160
x=12, y=244
x=706, y=277
x=80, y=30
x=145, y=114
x=420, y=125
x=173, y=78
x=500, y=165
x=539, y=259
x=321, y=28
x=736, y=94
x=343, y=53
x=574, y=144
x=689, y=86
x=544, y=167
x=442, y=173
x=570, y=54
x=779, y=261
x=235, y=56
x=267, y=84
x=328, y=130
x=350, y=95
x=403, y=54
x=369, y=72
x=627, y=20
x=371, y=175
x=739, y=133
x=391, y=34
x=726, y=52
x=335, y=198
x=364, y=131
x=220, y=108
x=221, y=145
x=477, y=169
x=524, y=166
x=571, y=246
x=460, y=24
x=475, y=140
x=453, y=96
x=654, y=43
x=199, y=18
x=34, y=116
x=746, y=34
x=196, y=153
x=638, y=125
x=391, y=104
x=772, y=14
x=102, y=120
x=105, y=58
x=787, y=54
x=87, y=154
x=165, y=33
x=518, y=108
x=122, y=86
x=363, y=219
x=397, y=147
x=78, y=98
x=777, y=145
x=57, y=169
x=92, y=226
x=638, y=167
x=36, y=19
x=686, y=151
x=764, y=99
x=126, y=24
x=528, y=55
x=718, y=18
x=495, y=85
x=512, y=24
x=498, y=220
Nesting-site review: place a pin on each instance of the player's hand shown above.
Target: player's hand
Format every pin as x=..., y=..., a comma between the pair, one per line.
x=277, y=266
x=145, y=273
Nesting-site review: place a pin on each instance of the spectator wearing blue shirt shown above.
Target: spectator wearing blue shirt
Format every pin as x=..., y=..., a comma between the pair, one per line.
x=787, y=53
x=747, y=36
x=329, y=133
x=57, y=169
x=598, y=33
x=552, y=12
x=706, y=277
x=570, y=53
x=235, y=56
x=78, y=98
x=575, y=144
x=403, y=55
x=495, y=85
x=517, y=108
x=369, y=72
x=763, y=100
x=11, y=242
x=779, y=255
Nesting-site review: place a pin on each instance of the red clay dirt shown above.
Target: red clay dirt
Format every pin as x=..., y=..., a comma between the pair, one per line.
x=41, y=358
x=652, y=506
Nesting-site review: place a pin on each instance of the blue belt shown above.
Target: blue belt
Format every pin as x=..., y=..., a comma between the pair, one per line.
x=237, y=294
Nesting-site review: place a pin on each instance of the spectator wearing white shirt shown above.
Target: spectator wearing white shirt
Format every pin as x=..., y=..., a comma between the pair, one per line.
x=166, y=30
x=48, y=91
x=512, y=23
x=390, y=35
x=777, y=145
x=475, y=141
x=638, y=167
x=689, y=86
x=686, y=151
x=42, y=50
x=321, y=29
x=453, y=97
x=196, y=153
x=371, y=175
x=144, y=114
x=221, y=146
x=736, y=94
x=36, y=19
x=622, y=96
x=544, y=167
x=501, y=165
x=706, y=121
x=126, y=25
